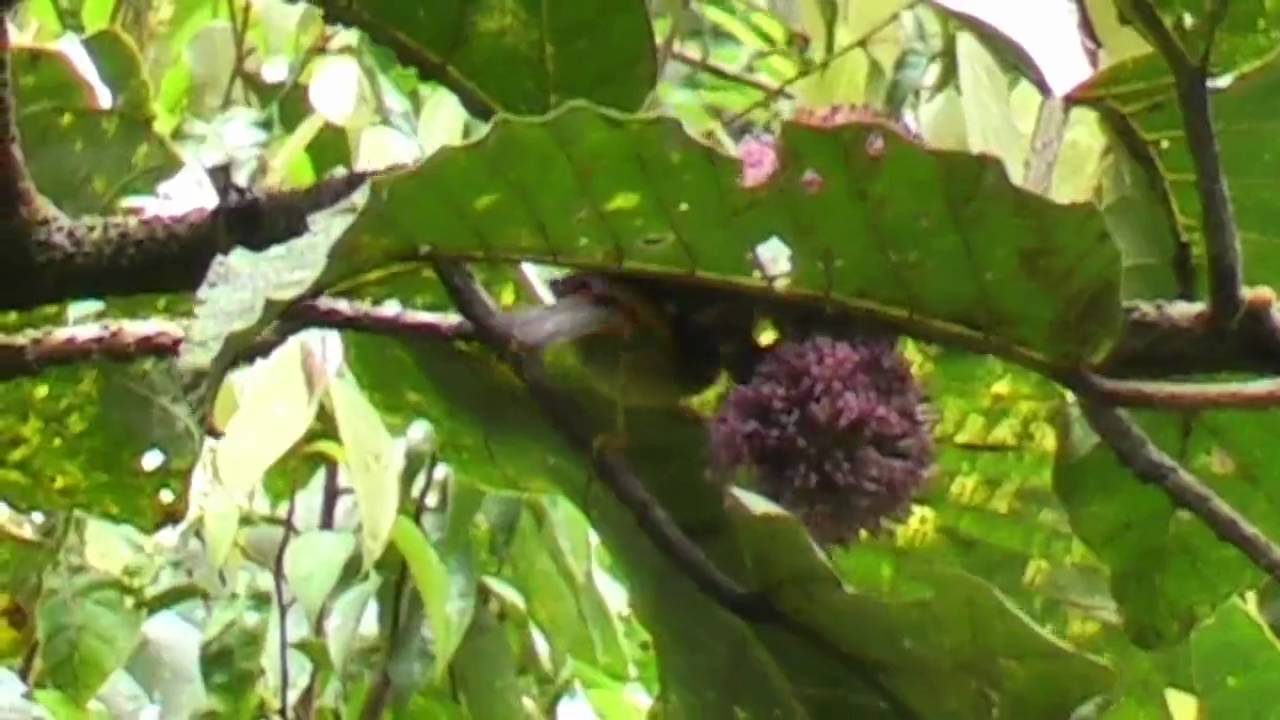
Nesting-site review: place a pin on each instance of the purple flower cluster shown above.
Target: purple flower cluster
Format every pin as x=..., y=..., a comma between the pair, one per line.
x=835, y=430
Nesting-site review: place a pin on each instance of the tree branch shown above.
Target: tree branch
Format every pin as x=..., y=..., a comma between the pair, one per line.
x=1176, y=337
x=46, y=256
x=33, y=351
x=59, y=259
x=1190, y=395
x=1132, y=446
x=1222, y=242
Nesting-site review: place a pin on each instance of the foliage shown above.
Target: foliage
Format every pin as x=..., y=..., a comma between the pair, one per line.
x=347, y=524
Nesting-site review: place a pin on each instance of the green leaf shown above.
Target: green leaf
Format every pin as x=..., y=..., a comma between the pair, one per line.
x=1168, y=569
x=1139, y=100
x=446, y=618
x=374, y=460
x=275, y=404
x=1137, y=216
x=910, y=612
x=562, y=599
x=522, y=58
x=984, y=95
x=87, y=628
x=59, y=118
x=939, y=243
x=313, y=562
x=485, y=672
x=1234, y=657
x=344, y=620
x=119, y=65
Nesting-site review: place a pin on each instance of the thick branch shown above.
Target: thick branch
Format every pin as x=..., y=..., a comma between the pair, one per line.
x=1170, y=338
x=1152, y=465
x=61, y=259
x=1222, y=242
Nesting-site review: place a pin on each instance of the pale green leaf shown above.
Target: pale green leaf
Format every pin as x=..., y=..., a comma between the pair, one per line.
x=313, y=562
x=374, y=459
x=431, y=577
x=274, y=407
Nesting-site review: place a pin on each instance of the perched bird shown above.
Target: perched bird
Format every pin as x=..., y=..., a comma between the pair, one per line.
x=639, y=341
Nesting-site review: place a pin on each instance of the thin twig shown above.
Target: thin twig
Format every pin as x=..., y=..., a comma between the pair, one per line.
x=1222, y=241
x=816, y=68
x=1132, y=446
x=282, y=608
x=1046, y=141
x=239, y=32
x=33, y=351
x=711, y=68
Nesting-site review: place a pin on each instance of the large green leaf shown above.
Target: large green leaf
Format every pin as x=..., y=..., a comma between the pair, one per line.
x=940, y=243
x=918, y=620
x=60, y=120
x=1234, y=657
x=560, y=593
x=1168, y=569
x=521, y=57
x=87, y=627
x=1138, y=95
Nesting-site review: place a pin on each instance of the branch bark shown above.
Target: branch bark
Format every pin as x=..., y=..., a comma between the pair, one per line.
x=1190, y=395
x=57, y=258
x=32, y=352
